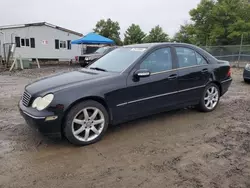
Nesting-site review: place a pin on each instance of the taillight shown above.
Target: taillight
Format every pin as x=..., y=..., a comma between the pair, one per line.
x=229, y=72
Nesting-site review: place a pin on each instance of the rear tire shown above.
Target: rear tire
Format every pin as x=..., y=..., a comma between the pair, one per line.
x=86, y=123
x=210, y=98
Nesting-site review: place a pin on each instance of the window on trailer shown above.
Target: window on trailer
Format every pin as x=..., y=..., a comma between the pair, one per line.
x=62, y=44
x=22, y=42
x=27, y=41
x=32, y=42
x=17, y=40
x=56, y=44
x=69, y=44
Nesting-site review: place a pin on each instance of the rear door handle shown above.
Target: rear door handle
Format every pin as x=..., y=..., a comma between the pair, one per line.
x=172, y=77
x=204, y=71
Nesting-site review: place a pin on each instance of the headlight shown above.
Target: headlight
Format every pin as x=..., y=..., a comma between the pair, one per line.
x=86, y=58
x=34, y=104
x=40, y=103
x=247, y=67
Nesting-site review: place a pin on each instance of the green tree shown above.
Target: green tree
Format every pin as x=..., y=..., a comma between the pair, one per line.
x=134, y=35
x=236, y=22
x=225, y=13
x=157, y=35
x=203, y=21
x=186, y=34
x=238, y=29
x=109, y=29
x=220, y=22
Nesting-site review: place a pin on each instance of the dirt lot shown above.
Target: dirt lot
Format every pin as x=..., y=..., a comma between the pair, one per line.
x=183, y=148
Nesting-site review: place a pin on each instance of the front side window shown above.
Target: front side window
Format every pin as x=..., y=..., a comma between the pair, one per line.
x=119, y=59
x=158, y=61
x=186, y=57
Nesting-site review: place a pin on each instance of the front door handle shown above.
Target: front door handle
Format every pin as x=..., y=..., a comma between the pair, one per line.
x=204, y=71
x=172, y=77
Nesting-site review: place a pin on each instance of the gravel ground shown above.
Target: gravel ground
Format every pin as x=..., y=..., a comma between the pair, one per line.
x=183, y=148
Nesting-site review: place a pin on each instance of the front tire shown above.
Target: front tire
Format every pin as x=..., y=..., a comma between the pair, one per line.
x=246, y=80
x=210, y=98
x=86, y=123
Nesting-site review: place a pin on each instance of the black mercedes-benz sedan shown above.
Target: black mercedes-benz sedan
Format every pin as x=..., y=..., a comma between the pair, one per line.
x=246, y=73
x=129, y=82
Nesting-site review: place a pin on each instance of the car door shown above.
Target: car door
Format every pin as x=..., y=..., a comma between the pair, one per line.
x=193, y=71
x=149, y=94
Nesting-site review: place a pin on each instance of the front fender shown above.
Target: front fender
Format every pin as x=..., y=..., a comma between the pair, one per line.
x=68, y=98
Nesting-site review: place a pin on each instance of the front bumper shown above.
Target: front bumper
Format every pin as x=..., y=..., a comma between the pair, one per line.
x=246, y=74
x=48, y=123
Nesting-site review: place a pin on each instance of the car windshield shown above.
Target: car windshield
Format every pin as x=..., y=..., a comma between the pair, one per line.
x=118, y=60
x=101, y=50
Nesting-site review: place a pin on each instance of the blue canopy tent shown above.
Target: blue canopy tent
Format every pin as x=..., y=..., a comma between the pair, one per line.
x=93, y=38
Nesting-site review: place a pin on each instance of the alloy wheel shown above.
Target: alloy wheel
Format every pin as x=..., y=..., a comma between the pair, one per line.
x=88, y=124
x=211, y=97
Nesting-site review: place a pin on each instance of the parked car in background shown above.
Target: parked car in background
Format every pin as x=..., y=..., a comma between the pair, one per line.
x=246, y=73
x=87, y=59
x=129, y=82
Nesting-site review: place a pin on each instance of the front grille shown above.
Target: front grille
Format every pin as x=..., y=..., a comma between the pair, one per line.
x=26, y=99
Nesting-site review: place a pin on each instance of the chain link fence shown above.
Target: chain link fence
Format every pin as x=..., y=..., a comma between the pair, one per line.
x=235, y=54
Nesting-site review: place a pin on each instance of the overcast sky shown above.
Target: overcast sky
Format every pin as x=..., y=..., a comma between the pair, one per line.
x=82, y=15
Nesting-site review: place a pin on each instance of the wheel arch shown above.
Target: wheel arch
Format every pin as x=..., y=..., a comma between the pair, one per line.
x=218, y=84
x=94, y=98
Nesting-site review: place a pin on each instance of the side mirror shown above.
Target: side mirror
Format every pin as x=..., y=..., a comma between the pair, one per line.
x=142, y=73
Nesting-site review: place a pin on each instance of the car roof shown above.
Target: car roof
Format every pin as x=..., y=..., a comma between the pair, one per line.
x=151, y=45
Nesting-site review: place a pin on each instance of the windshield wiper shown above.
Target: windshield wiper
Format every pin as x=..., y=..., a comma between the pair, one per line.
x=99, y=69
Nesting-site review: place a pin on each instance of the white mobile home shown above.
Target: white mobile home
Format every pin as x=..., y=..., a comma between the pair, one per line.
x=40, y=40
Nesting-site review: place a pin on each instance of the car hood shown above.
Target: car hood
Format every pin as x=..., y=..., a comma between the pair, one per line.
x=64, y=80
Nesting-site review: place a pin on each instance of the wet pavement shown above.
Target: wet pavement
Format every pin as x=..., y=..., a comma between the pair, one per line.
x=183, y=148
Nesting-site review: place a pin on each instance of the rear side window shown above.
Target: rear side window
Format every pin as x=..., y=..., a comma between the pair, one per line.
x=200, y=60
x=158, y=61
x=186, y=57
